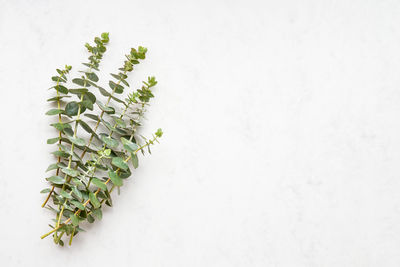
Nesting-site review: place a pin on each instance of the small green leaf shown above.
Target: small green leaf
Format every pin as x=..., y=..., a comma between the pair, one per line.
x=107, y=109
x=97, y=213
x=65, y=194
x=70, y=172
x=109, y=141
x=87, y=104
x=77, y=192
x=118, y=89
x=93, y=199
x=52, y=167
x=85, y=126
x=61, y=126
x=92, y=116
x=90, y=97
x=115, y=179
x=56, y=179
x=74, y=220
x=61, y=89
x=104, y=92
x=78, y=91
x=60, y=154
x=81, y=82
x=54, y=111
x=57, y=98
x=92, y=76
x=100, y=184
x=120, y=163
x=128, y=145
x=76, y=140
x=52, y=140
x=46, y=190
x=135, y=160
x=72, y=108
x=90, y=219
x=78, y=204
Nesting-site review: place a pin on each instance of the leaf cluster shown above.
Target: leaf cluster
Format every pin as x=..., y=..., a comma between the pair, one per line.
x=97, y=139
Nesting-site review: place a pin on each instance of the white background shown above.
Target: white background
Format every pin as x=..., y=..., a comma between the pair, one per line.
x=281, y=123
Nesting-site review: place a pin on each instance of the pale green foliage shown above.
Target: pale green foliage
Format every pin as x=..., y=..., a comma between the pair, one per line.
x=88, y=168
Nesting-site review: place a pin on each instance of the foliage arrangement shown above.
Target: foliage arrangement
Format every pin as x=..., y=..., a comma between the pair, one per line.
x=96, y=139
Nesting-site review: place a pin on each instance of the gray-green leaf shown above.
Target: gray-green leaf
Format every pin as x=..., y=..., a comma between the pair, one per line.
x=54, y=111
x=81, y=82
x=71, y=109
x=128, y=145
x=110, y=142
x=92, y=76
x=120, y=163
x=74, y=220
x=93, y=199
x=78, y=204
x=76, y=140
x=115, y=179
x=56, y=179
x=97, y=213
x=70, y=172
x=135, y=160
x=100, y=184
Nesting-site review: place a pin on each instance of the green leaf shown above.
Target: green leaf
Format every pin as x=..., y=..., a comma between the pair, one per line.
x=90, y=97
x=61, y=89
x=118, y=89
x=52, y=167
x=128, y=145
x=109, y=141
x=65, y=194
x=104, y=92
x=105, y=37
x=100, y=184
x=90, y=219
x=74, y=220
x=78, y=204
x=120, y=163
x=61, y=126
x=107, y=109
x=54, y=111
x=52, y=140
x=92, y=116
x=57, y=98
x=78, y=91
x=117, y=77
x=70, y=172
x=92, y=76
x=93, y=199
x=85, y=126
x=72, y=108
x=77, y=193
x=76, y=140
x=97, y=213
x=44, y=191
x=121, y=123
x=60, y=154
x=81, y=82
x=117, y=181
x=87, y=104
x=135, y=160
x=56, y=179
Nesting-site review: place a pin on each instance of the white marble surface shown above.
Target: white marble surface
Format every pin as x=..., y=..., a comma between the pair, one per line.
x=282, y=132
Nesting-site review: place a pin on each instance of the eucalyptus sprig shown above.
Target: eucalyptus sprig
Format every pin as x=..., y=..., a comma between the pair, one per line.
x=93, y=164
